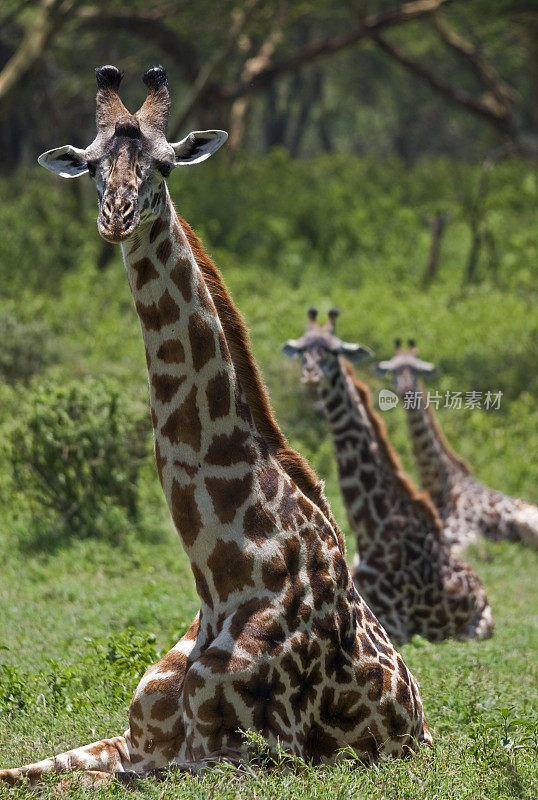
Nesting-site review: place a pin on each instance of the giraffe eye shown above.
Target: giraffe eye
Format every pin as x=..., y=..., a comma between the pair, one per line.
x=164, y=169
x=91, y=169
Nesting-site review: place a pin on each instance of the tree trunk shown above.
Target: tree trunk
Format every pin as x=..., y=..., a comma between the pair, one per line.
x=532, y=51
x=309, y=89
x=276, y=120
x=437, y=228
x=474, y=253
x=50, y=17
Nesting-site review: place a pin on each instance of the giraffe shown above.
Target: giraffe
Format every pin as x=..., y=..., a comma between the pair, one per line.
x=403, y=568
x=283, y=644
x=468, y=509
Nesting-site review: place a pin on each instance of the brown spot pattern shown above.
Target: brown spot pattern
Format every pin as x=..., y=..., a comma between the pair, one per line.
x=163, y=251
x=319, y=744
x=161, y=461
x=181, y=274
x=189, y=468
x=156, y=315
x=258, y=523
x=204, y=298
x=268, y=479
x=201, y=586
x=171, y=352
x=145, y=272
x=218, y=396
x=183, y=424
x=157, y=228
x=218, y=722
x=227, y=449
x=231, y=568
x=202, y=341
x=228, y=495
x=185, y=512
x=261, y=694
x=166, y=386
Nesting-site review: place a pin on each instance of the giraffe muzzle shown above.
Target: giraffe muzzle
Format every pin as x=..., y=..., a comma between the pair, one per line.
x=311, y=381
x=117, y=221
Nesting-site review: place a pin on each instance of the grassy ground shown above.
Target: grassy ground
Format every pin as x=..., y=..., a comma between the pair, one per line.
x=83, y=617
x=74, y=608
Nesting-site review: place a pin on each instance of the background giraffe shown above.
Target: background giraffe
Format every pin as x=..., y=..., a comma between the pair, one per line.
x=403, y=568
x=468, y=509
x=283, y=645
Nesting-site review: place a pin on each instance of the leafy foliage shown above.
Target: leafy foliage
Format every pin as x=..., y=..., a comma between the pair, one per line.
x=27, y=348
x=78, y=453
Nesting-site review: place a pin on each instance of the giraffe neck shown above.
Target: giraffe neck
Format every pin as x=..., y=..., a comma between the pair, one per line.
x=374, y=487
x=440, y=469
x=207, y=449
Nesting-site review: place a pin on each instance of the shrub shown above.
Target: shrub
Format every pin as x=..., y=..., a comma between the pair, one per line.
x=77, y=454
x=27, y=348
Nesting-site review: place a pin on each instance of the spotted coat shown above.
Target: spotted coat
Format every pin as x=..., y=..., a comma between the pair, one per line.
x=283, y=644
x=402, y=567
x=468, y=509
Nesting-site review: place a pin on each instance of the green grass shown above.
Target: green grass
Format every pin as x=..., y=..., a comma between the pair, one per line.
x=83, y=617
x=92, y=592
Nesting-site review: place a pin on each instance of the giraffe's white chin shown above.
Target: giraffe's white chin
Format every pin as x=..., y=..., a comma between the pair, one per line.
x=114, y=236
x=117, y=228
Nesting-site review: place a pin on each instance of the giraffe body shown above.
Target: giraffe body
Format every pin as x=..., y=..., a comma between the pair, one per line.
x=283, y=644
x=469, y=510
x=403, y=568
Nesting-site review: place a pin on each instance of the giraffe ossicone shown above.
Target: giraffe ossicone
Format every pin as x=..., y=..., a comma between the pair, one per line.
x=283, y=645
x=402, y=568
x=469, y=510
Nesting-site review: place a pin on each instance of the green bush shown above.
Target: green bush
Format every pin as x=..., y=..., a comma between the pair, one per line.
x=47, y=228
x=77, y=454
x=27, y=348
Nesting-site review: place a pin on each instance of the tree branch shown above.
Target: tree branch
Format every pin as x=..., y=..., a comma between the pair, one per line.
x=368, y=27
x=148, y=27
x=240, y=17
x=252, y=66
x=50, y=17
x=487, y=107
x=483, y=69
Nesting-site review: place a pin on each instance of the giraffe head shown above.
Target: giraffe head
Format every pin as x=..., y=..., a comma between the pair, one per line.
x=130, y=157
x=406, y=367
x=320, y=347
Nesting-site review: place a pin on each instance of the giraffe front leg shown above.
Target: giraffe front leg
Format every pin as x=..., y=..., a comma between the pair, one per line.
x=98, y=759
x=156, y=716
x=144, y=745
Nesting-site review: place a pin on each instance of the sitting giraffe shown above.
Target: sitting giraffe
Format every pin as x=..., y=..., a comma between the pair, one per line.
x=468, y=509
x=283, y=644
x=403, y=569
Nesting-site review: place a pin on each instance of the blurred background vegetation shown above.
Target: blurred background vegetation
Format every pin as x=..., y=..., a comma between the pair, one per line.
x=379, y=77
x=381, y=158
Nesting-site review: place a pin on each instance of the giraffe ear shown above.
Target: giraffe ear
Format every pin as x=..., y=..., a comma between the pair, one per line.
x=423, y=366
x=292, y=348
x=383, y=367
x=355, y=352
x=198, y=146
x=66, y=161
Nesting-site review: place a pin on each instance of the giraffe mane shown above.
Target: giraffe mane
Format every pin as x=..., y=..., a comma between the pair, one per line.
x=448, y=449
x=249, y=376
x=421, y=500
